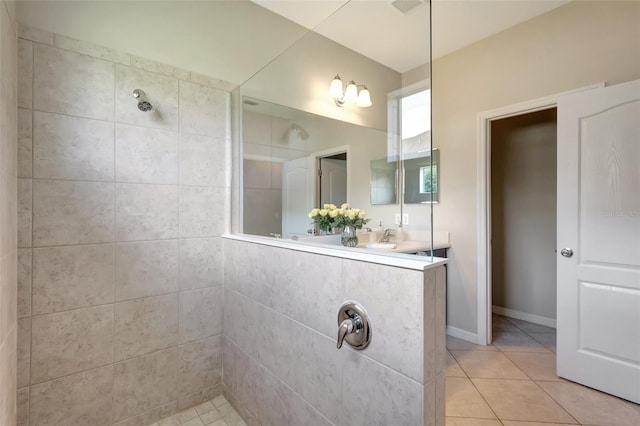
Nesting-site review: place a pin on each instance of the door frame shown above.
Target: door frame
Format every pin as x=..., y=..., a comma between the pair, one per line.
x=484, y=300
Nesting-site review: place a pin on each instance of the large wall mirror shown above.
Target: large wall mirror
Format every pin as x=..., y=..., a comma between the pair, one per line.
x=294, y=160
x=298, y=148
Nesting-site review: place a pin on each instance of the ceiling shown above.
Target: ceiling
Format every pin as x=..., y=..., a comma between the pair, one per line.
x=400, y=41
x=196, y=34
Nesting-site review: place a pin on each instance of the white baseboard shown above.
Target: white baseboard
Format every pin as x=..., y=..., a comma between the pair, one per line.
x=464, y=335
x=536, y=319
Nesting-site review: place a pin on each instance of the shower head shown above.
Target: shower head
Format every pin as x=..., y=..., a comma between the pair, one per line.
x=143, y=104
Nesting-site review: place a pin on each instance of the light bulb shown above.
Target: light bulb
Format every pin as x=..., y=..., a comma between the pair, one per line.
x=351, y=93
x=364, y=98
x=335, y=90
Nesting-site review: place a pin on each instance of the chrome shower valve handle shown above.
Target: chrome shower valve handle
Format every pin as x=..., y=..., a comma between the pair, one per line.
x=353, y=326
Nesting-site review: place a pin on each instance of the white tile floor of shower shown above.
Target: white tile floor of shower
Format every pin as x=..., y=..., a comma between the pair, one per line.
x=216, y=412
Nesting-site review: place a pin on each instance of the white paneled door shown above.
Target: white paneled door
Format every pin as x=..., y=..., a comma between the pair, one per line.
x=296, y=185
x=599, y=239
x=333, y=181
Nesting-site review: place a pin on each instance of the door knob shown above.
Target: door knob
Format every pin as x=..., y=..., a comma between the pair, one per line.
x=566, y=252
x=353, y=326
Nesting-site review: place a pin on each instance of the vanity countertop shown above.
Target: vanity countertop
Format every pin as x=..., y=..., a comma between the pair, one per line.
x=407, y=246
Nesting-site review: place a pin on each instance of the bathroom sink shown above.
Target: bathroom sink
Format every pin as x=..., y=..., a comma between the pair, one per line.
x=388, y=246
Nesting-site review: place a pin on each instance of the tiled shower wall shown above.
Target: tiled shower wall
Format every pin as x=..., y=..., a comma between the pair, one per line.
x=120, y=217
x=8, y=209
x=262, y=197
x=281, y=365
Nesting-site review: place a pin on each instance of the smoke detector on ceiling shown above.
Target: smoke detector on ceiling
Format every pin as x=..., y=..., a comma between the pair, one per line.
x=405, y=6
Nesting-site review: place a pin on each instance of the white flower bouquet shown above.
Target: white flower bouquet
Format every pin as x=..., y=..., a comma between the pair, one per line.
x=330, y=217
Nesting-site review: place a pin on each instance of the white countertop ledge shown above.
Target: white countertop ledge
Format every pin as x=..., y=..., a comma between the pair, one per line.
x=400, y=260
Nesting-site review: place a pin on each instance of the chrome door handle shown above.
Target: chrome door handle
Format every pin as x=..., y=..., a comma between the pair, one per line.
x=566, y=252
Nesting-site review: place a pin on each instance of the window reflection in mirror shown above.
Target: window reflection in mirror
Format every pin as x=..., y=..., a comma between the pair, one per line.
x=421, y=179
x=384, y=181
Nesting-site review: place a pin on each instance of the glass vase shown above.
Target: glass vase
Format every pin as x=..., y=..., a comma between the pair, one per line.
x=349, y=237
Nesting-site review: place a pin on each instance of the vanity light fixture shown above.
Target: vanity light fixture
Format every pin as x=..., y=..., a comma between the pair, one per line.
x=361, y=98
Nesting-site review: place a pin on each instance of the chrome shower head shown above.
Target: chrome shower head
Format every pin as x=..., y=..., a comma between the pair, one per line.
x=143, y=104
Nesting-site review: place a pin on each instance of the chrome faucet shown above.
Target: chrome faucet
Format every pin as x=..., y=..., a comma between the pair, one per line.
x=388, y=233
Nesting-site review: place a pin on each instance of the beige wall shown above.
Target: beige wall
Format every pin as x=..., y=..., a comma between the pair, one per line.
x=120, y=255
x=8, y=213
x=203, y=36
x=576, y=45
x=300, y=78
x=523, y=213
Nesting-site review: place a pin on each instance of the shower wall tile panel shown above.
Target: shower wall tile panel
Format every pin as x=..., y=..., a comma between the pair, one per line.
x=200, y=263
x=8, y=212
x=22, y=407
x=151, y=416
x=147, y=268
x=72, y=277
x=394, y=377
x=380, y=394
x=373, y=286
x=146, y=155
x=9, y=224
x=161, y=90
x=144, y=383
x=202, y=111
x=200, y=313
x=8, y=378
x=72, y=212
x=191, y=400
x=25, y=76
x=79, y=399
x=24, y=351
x=145, y=325
x=24, y=282
x=66, y=147
x=90, y=49
x=316, y=294
x=146, y=212
x=267, y=398
x=196, y=205
x=200, y=365
x=24, y=218
x=9, y=301
x=125, y=210
x=201, y=163
x=69, y=342
x=25, y=142
x=72, y=84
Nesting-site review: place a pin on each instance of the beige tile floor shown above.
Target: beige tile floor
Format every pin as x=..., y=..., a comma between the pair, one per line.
x=513, y=382
x=216, y=412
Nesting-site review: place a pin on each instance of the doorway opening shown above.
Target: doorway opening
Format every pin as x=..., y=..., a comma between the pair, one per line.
x=522, y=213
x=332, y=179
x=484, y=299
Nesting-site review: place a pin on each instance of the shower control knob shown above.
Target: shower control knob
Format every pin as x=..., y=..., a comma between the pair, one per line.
x=566, y=252
x=353, y=326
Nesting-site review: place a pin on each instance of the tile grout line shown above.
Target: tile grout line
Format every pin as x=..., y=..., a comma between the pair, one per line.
x=530, y=379
x=113, y=253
